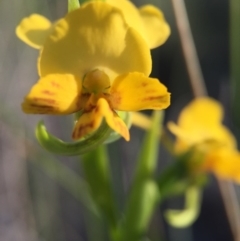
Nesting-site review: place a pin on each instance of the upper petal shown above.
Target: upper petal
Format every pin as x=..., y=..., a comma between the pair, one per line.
x=148, y=21
x=131, y=14
x=34, y=30
x=156, y=28
x=135, y=91
x=94, y=36
x=90, y=121
x=53, y=94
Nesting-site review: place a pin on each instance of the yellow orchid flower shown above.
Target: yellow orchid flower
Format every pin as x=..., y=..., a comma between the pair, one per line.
x=200, y=125
x=149, y=21
x=93, y=62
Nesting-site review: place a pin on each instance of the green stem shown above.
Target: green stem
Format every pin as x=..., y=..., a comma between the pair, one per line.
x=144, y=194
x=139, y=211
x=97, y=173
x=147, y=159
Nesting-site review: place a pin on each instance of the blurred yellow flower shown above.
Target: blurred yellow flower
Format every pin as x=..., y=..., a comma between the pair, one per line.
x=91, y=61
x=200, y=125
x=148, y=20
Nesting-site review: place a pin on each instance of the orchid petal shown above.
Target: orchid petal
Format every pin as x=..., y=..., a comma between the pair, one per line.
x=135, y=91
x=54, y=94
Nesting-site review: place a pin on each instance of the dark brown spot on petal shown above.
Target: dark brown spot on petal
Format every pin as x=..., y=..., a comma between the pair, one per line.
x=40, y=109
x=47, y=92
x=144, y=84
x=151, y=98
x=96, y=109
x=85, y=95
x=82, y=100
x=150, y=91
x=115, y=98
x=90, y=108
x=42, y=106
x=82, y=130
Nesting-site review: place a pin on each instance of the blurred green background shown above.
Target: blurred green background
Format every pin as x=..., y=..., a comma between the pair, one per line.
x=36, y=203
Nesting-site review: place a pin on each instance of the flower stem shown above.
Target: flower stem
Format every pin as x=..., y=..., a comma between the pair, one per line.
x=97, y=174
x=144, y=195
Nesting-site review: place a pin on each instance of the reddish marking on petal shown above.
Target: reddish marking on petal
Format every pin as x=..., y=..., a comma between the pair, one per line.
x=85, y=95
x=150, y=91
x=96, y=109
x=82, y=130
x=40, y=109
x=48, y=101
x=115, y=98
x=42, y=106
x=47, y=92
x=144, y=84
x=150, y=98
x=54, y=84
x=106, y=95
x=89, y=108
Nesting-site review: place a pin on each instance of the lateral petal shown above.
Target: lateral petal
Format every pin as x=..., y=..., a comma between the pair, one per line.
x=53, y=94
x=135, y=91
x=113, y=120
x=34, y=30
